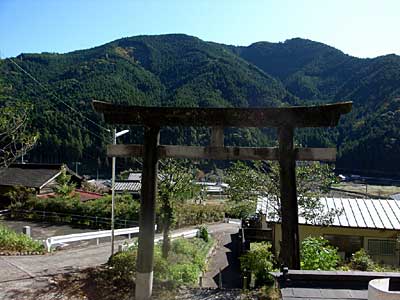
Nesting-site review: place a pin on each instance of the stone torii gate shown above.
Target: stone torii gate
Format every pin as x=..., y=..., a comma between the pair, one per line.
x=285, y=119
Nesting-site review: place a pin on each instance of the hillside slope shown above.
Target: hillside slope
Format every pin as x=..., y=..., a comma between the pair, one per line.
x=180, y=70
x=369, y=137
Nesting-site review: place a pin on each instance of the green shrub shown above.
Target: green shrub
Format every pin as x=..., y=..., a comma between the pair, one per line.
x=240, y=210
x=125, y=208
x=259, y=260
x=184, y=273
x=317, y=254
x=183, y=265
x=360, y=260
x=122, y=266
x=12, y=241
x=195, y=214
x=203, y=234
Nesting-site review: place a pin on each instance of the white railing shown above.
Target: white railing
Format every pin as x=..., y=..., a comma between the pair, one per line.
x=4, y=212
x=62, y=239
x=185, y=234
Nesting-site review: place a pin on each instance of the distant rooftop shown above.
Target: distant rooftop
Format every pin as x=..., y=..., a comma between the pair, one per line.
x=395, y=197
x=357, y=213
x=135, y=176
x=128, y=186
x=30, y=175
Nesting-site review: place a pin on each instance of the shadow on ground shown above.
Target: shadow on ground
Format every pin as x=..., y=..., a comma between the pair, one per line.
x=231, y=275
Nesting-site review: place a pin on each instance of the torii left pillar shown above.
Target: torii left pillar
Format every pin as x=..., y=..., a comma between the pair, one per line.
x=144, y=272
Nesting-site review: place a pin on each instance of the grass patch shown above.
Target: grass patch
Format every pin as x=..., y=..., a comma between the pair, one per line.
x=17, y=242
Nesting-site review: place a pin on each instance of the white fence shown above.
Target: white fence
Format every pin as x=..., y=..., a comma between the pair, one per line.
x=4, y=212
x=62, y=239
x=184, y=234
x=76, y=237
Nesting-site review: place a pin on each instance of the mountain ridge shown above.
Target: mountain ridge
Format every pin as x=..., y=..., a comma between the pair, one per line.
x=181, y=70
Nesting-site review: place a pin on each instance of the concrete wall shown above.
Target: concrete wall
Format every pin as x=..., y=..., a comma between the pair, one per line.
x=378, y=289
x=315, y=231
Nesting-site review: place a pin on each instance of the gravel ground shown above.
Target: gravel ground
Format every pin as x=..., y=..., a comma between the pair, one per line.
x=209, y=294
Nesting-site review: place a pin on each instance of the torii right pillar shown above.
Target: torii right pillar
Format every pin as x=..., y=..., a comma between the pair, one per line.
x=289, y=208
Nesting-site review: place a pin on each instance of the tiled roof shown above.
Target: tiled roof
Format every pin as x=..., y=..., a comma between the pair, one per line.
x=33, y=177
x=30, y=175
x=127, y=185
x=356, y=213
x=83, y=196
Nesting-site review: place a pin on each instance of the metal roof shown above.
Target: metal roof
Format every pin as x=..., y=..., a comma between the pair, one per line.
x=135, y=176
x=129, y=186
x=395, y=196
x=356, y=213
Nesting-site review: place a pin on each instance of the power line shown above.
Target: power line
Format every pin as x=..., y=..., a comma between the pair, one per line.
x=67, y=105
x=79, y=125
x=58, y=98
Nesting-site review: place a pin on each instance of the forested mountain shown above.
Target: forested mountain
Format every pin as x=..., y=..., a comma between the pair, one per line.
x=180, y=70
x=369, y=137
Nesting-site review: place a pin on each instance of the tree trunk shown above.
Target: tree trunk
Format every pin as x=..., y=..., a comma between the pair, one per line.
x=166, y=245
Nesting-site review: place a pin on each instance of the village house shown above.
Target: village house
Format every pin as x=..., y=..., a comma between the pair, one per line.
x=41, y=178
x=372, y=224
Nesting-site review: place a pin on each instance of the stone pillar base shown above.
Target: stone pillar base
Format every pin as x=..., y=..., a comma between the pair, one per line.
x=144, y=286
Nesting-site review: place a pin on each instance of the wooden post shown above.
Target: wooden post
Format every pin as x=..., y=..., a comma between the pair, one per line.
x=144, y=275
x=290, y=253
x=217, y=136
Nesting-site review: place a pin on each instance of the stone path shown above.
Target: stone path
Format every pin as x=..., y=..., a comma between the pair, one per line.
x=224, y=259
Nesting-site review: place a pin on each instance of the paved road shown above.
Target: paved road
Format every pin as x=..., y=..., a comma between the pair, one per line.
x=27, y=272
x=43, y=230
x=224, y=261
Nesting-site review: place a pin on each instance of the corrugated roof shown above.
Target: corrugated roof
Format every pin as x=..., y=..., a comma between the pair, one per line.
x=129, y=186
x=395, y=196
x=356, y=213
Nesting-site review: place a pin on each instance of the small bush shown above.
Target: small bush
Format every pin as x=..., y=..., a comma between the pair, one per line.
x=240, y=210
x=259, y=260
x=185, y=262
x=184, y=273
x=12, y=241
x=122, y=266
x=360, y=260
x=203, y=234
x=317, y=254
x=95, y=213
x=195, y=214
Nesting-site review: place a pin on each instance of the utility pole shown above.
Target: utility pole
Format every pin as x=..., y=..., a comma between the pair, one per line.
x=114, y=141
x=76, y=163
x=113, y=193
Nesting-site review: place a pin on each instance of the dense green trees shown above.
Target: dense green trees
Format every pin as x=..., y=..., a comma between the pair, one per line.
x=247, y=183
x=186, y=71
x=175, y=185
x=15, y=138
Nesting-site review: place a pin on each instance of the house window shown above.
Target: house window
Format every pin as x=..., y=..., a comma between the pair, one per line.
x=382, y=247
x=345, y=243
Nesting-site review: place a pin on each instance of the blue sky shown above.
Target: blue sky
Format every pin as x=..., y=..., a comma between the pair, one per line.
x=363, y=28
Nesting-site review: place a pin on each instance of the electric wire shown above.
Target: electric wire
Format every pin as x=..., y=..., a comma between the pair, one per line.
x=55, y=96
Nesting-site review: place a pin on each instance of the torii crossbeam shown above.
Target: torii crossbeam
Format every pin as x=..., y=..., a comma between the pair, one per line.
x=285, y=119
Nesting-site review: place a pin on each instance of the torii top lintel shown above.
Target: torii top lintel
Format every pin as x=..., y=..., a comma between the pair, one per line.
x=295, y=116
